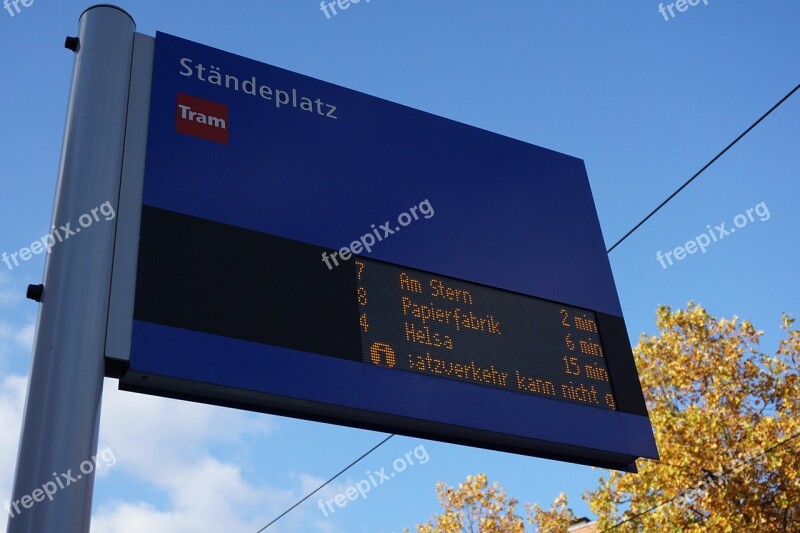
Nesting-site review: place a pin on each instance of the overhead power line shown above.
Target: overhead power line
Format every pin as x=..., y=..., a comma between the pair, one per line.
x=645, y=219
x=736, y=140
x=650, y=510
x=342, y=471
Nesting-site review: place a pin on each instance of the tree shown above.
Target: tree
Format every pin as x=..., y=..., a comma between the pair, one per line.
x=476, y=507
x=717, y=404
x=555, y=520
x=719, y=408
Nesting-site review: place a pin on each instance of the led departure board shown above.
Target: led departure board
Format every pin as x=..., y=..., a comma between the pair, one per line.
x=438, y=326
x=494, y=323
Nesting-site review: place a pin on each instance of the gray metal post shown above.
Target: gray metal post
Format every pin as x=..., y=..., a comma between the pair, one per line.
x=62, y=411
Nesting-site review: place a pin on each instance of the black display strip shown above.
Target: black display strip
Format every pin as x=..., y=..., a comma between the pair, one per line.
x=220, y=279
x=621, y=364
x=439, y=326
x=225, y=280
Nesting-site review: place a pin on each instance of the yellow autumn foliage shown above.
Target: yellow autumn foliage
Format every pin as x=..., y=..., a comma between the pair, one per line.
x=725, y=416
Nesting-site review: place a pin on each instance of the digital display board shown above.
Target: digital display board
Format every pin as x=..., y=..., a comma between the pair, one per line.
x=411, y=320
x=503, y=300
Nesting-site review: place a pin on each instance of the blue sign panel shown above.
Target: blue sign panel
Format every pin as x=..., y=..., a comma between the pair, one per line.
x=312, y=251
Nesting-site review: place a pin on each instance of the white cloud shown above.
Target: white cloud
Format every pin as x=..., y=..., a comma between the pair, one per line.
x=187, y=454
x=167, y=445
x=18, y=324
x=15, y=337
x=153, y=433
x=205, y=495
x=15, y=342
x=23, y=337
x=8, y=293
x=12, y=400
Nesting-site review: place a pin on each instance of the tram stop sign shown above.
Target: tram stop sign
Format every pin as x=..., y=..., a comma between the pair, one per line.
x=311, y=251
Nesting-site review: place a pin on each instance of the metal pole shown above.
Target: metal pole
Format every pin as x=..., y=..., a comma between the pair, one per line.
x=62, y=412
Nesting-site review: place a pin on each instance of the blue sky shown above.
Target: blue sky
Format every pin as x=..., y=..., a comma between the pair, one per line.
x=644, y=101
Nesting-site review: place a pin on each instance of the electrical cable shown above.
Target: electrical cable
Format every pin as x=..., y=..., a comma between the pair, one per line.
x=634, y=517
x=736, y=140
x=342, y=471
